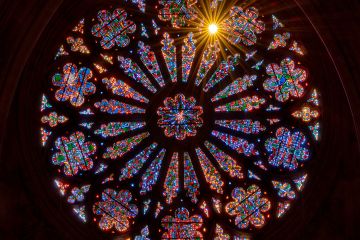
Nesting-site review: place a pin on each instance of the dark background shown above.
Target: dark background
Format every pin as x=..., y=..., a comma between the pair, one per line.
x=22, y=216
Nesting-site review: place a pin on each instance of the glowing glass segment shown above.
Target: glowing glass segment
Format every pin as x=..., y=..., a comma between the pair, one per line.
x=171, y=184
x=306, y=114
x=101, y=168
x=258, y=65
x=295, y=47
x=285, y=80
x=227, y=163
x=144, y=234
x=100, y=68
x=283, y=207
x=121, y=147
x=45, y=103
x=140, y=4
x=315, y=130
x=222, y=71
x=169, y=53
x=135, y=164
x=113, y=28
x=180, y=117
x=62, y=186
x=73, y=84
x=276, y=23
x=146, y=205
x=246, y=104
x=247, y=126
x=115, y=107
x=191, y=183
x=53, y=119
x=208, y=59
x=117, y=128
x=87, y=111
x=242, y=26
x=314, y=99
x=248, y=206
x=155, y=27
x=188, y=54
x=300, y=182
x=152, y=173
x=80, y=211
x=178, y=12
x=74, y=153
x=79, y=27
x=61, y=52
x=238, y=144
x=107, y=58
x=144, y=31
x=204, y=208
x=159, y=208
x=250, y=55
x=279, y=41
x=149, y=60
x=216, y=204
x=134, y=71
x=287, y=149
x=182, y=225
x=252, y=175
x=115, y=210
x=284, y=189
x=220, y=234
x=78, y=194
x=237, y=86
x=45, y=134
x=212, y=175
x=77, y=45
x=120, y=88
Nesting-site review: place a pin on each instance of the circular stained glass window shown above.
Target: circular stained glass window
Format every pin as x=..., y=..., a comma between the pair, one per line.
x=180, y=119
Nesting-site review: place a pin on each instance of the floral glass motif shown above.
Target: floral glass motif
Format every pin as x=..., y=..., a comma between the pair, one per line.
x=73, y=84
x=182, y=225
x=178, y=12
x=287, y=149
x=180, y=117
x=127, y=78
x=74, y=153
x=285, y=80
x=115, y=210
x=248, y=206
x=243, y=25
x=113, y=28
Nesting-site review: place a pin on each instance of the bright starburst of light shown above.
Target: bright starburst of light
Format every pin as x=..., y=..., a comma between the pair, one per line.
x=209, y=26
x=213, y=28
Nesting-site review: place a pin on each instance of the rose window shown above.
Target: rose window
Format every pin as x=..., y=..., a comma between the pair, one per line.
x=180, y=119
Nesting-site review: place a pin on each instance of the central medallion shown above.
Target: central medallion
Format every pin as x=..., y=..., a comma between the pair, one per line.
x=180, y=117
